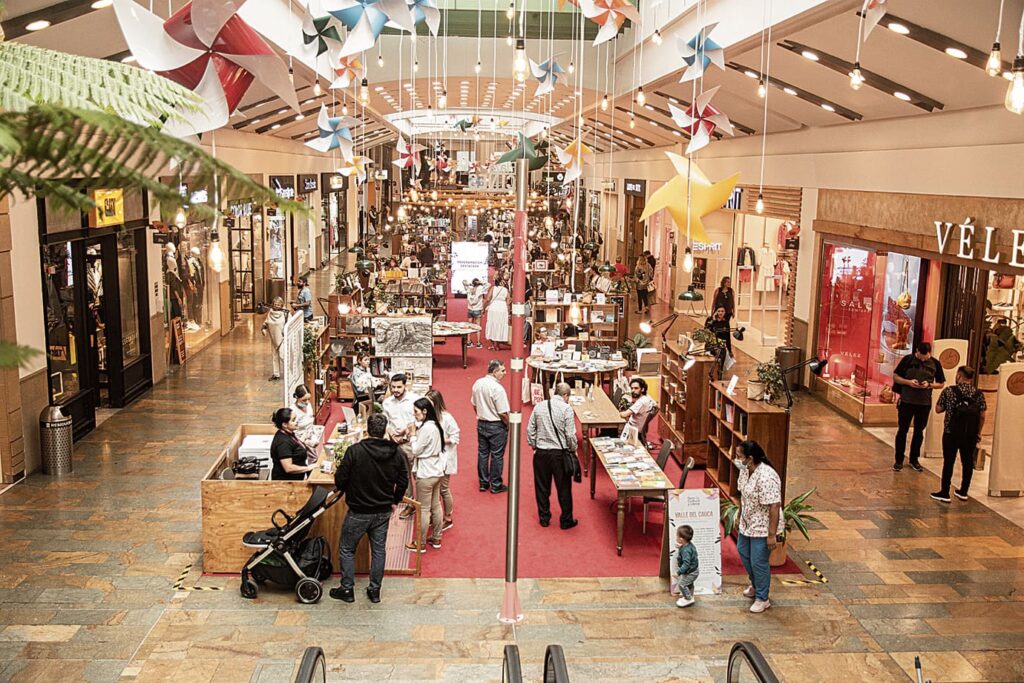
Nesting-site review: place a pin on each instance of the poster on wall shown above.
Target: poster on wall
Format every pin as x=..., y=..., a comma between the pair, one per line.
x=699, y=276
x=469, y=260
x=291, y=356
x=700, y=509
x=405, y=336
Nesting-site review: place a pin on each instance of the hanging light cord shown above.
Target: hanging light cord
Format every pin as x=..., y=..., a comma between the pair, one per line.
x=999, y=22
x=767, y=76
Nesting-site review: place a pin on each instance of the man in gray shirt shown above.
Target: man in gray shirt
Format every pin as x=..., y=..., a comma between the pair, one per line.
x=552, y=433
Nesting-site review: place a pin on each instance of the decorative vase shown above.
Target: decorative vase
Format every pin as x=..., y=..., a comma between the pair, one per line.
x=755, y=390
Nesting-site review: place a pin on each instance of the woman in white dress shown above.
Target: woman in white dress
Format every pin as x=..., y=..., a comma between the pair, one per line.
x=451, y=454
x=497, y=332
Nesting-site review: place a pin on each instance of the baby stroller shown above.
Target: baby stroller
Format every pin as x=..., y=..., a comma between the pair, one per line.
x=286, y=557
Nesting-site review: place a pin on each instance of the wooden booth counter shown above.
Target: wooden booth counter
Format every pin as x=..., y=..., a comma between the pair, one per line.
x=232, y=507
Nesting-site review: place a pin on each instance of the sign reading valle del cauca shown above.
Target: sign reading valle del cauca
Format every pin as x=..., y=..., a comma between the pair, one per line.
x=973, y=242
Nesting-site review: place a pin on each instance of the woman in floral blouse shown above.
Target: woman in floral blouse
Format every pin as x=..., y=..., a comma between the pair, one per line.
x=760, y=520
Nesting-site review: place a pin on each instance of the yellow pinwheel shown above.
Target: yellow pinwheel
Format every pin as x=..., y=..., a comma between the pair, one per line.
x=690, y=195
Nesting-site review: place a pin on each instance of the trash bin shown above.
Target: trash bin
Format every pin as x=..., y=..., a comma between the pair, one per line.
x=55, y=441
x=787, y=357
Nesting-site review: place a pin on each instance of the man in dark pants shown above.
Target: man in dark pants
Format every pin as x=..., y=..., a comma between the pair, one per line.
x=552, y=433
x=490, y=401
x=964, y=408
x=373, y=477
x=913, y=379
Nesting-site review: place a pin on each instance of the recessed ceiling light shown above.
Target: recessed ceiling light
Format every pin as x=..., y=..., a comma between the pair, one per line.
x=307, y=101
x=807, y=54
x=789, y=91
x=281, y=111
x=901, y=96
x=37, y=25
x=100, y=4
x=956, y=52
x=130, y=59
x=654, y=123
x=749, y=74
x=899, y=28
x=827, y=107
x=254, y=121
x=275, y=126
x=638, y=139
x=300, y=116
x=677, y=134
x=673, y=100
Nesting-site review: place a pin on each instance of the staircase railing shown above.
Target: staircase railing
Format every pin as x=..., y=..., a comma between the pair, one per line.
x=744, y=653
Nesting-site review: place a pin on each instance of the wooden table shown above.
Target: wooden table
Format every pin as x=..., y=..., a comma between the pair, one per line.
x=594, y=414
x=597, y=374
x=653, y=483
x=444, y=328
x=326, y=452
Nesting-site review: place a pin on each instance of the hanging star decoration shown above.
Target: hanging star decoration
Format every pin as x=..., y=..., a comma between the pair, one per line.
x=700, y=52
x=610, y=15
x=704, y=197
x=426, y=11
x=546, y=73
x=524, y=150
x=349, y=71
x=573, y=158
x=319, y=32
x=207, y=47
x=365, y=19
x=355, y=166
x=335, y=133
x=408, y=155
x=873, y=11
x=701, y=120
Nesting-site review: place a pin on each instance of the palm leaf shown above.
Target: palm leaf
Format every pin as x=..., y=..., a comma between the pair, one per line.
x=13, y=356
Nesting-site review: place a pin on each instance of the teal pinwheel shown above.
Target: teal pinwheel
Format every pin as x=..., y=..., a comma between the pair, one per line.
x=466, y=124
x=524, y=150
x=320, y=34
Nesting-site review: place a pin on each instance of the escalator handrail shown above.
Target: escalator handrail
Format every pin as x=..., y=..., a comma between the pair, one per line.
x=758, y=664
x=511, y=665
x=307, y=667
x=555, y=670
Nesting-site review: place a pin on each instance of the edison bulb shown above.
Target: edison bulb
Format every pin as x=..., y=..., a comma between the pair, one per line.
x=364, y=92
x=761, y=89
x=380, y=60
x=317, y=90
x=994, y=65
x=856, y=77
x=179, y=218
x=656, y=38
x=416, y=66
x=688, y=261
x=1015, y=91
x=442, y=101
x=508, y=40
x=604, y=103
x=216, y=256
x=641, y=98
x=477, y=67
x=511, y=11
x=433, y=195
x=572, y=67
x=632, y=121
x=759, y=207
x=344, y=108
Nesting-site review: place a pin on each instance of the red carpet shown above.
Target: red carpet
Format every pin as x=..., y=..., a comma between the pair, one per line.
x=475, y=546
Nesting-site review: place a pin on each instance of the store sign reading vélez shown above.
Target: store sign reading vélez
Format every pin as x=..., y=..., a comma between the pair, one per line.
x=966, y=238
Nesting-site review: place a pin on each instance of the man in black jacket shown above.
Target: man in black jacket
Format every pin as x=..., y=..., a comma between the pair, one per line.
x=373, y=477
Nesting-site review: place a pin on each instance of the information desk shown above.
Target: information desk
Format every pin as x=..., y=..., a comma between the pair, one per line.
x=595, y=413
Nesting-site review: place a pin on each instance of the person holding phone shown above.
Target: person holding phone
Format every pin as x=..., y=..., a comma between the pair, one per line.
x=914, y=379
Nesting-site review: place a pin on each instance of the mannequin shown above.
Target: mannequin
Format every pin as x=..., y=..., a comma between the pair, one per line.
x=198, y=278
x=173, y=280
x=94, y=276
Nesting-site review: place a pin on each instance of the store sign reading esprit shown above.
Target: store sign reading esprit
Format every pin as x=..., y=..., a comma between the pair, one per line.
x=966, y=238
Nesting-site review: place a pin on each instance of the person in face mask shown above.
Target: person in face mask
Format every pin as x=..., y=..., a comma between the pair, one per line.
x=273, y=329
x=760, y=523
x=302, y=407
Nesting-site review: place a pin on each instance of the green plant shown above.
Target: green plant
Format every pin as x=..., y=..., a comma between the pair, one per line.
x=339, y=450
x=1001, y=347
x=703, y=336
x=629, y=348
x=794, y=515
x=308, y=347
x=730, y=514
x=770, y=375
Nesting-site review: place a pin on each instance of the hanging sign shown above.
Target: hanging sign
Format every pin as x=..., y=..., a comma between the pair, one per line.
x=637, y=188
x=109, y=208
x=283, y=186
x=307, y=184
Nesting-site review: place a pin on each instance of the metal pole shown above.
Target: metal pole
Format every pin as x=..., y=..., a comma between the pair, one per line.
x=511, y=610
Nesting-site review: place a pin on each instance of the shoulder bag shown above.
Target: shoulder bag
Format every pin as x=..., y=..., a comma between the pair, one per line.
x=572, y=463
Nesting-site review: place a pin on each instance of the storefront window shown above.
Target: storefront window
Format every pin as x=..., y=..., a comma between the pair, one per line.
x=191, y=287
x=126, y=255
x=1004, y=334
x=60, y=321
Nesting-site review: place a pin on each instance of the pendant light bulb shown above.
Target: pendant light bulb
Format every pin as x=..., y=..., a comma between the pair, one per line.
x=519, y=64
x=656, y=38
x=759, y=207
x=364, y=92
x=317, y=90
x=179, y=218
x=401, y=213
x=510, y=13
x=216, y=254
x=688, y=260
x=761, y=89
x=856, y=77
x=477, y=67
x=380, y=60
x=433, y=195
x=1015, y=92
x=632, y=121
x=604, y=103
x=508, y=40
x=641, y=98
x=442, y=101
x=581, y=121
x=416, y=66
x=344, y=108
x=572, y=67
x=414, y=196
x=994, y=65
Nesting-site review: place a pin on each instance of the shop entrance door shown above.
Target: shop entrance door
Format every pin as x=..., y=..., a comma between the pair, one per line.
x=963, y=307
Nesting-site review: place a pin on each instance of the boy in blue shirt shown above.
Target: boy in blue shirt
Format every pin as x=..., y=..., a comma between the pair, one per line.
x=687, y=566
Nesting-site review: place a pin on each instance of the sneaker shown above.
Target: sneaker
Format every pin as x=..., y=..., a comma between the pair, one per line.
x=961, y=496
x=897, y=467
x=748, y=592
x=447, y=525
x=684, y=602
x=916, y=466
x=373, y=595
x=483, y=487
x=343, y=594
x=760, y=606
x=412, y=548
x=435, y=544
x=940, y=496
x=499, y=489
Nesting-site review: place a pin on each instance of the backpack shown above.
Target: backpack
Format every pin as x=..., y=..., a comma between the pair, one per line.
x=965, y=415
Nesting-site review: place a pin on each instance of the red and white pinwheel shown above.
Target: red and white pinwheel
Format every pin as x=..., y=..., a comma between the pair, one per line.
x=610, y=15
x=873, y=11
x=207, y=47
x=700, y=120
x=408, y=155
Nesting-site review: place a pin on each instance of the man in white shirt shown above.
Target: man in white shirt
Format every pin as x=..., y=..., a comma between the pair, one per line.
x=552, y=433
x=643, y=405
x=475, y=306
x=401, y=424
x=490, y=401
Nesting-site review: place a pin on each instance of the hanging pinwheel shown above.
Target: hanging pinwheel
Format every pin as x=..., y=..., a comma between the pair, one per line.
x=207, y=47
x=873, y=11
x=524, y=150
x=426, y=11
x=573, y=158
x=335, y=133
x=365, y=19
x=546, y=73
x=349, y=70
x=700, y=120
x=610, y=15
x=408, y=155
x=320, y=34
x=466, y=124
x=689, y=196
x=355, y=166
x=699, y=52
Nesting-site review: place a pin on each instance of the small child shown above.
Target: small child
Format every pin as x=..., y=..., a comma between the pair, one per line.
x=686, y=565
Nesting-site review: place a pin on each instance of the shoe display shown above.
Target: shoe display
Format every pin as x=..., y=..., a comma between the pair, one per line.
x=499, y=489
x=570, y=524
x=760, y=606
x=748, y=592
x=373, y=595
x=940, y=496
x=685, y=602
x=961, y=496
x=916, y=466
x=343, y=594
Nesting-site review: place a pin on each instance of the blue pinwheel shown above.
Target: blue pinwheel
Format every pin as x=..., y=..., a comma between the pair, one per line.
x=546, y=73
x=426, y=11
x=699, y=52
x=365, y=19
x=335, y=133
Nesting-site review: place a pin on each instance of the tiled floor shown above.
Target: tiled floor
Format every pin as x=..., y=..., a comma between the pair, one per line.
x=88, y=564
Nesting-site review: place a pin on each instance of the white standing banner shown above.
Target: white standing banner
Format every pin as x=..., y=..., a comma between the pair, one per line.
x=469, y=260
x=291, y=356
x=700, y=509
x=1006, y=473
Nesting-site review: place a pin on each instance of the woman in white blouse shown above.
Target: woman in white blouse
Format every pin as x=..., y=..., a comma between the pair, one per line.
x=760, y=527
x=302, y=407
x=451, y=454
x=362, y=379
x=428, y=457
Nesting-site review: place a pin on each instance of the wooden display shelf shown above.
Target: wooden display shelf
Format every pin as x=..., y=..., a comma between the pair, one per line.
x=733, y=419
x=683, y=402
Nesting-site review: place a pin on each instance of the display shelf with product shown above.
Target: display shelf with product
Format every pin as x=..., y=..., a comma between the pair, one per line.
x=683, y=402
x=317, y=364
x=583, y=320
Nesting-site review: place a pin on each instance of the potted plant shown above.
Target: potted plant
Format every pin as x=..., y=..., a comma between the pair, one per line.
x=794, y=516
x=339, y=451
x=769, y=382
x=702, y=336
x=629, y=347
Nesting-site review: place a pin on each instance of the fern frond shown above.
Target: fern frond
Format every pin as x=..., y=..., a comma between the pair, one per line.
x=32, y=75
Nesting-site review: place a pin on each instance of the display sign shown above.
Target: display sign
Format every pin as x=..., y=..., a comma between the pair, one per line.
x=109, y=208
x=469, y=260
x=713, y=247
x=283, y=186
x=700, y=509
x=291, y=356
x=637, y=188
x=735, y=200
x=333, y=181
x=608, y=185
x=968, y=234
x=307, y=183
x=200, y=196
x=381, y=174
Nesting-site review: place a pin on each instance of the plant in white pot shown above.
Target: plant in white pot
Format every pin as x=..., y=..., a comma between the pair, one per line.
x=769, y=382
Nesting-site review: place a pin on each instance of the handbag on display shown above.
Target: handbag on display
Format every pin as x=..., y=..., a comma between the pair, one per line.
x=1003, y=281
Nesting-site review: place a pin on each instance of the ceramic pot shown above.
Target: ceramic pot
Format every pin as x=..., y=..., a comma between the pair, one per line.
x=755, y=390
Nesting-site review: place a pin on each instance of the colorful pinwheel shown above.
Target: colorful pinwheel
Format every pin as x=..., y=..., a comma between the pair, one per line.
x=524, y=150
x=349, y=70
x=699, y=52
x=365, y=19
x=466, y=124
x=610, y=15
x=546, y=73
x=573, y=158
x=355, y=166
x=335, y=133
x=408, y=155
x=700, y=120
x=704, y=197
x=320, y=34
x=873, y=11
x=206, y=47
x=426, y=11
